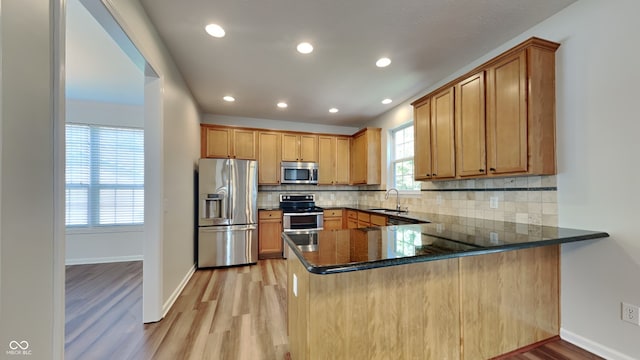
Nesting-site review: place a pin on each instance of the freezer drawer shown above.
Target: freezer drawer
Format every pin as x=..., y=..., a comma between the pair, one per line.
x=227, y=245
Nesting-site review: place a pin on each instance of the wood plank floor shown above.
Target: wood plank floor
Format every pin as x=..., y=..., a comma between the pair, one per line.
x=232, y=313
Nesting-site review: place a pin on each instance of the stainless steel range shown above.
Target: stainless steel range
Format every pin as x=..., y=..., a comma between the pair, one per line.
x=300, y=215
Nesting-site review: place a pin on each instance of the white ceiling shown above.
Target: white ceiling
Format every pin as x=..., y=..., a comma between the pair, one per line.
x=256, y=62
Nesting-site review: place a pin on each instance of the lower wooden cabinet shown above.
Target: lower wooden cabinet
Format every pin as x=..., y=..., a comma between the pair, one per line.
x=352, y=219
x=333, y=219
x=270, y=243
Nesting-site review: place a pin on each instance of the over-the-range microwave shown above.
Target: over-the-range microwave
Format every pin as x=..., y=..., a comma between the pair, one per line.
x=299, y=172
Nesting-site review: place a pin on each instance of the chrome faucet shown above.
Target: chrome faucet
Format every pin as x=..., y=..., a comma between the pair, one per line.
x=386, y=196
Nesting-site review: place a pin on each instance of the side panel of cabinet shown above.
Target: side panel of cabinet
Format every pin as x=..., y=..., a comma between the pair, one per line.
x=269, y=158
x=244, y=143
x=507, y=115
x=342, y=161
x=470, y=126
x=216, y=143
x=442, y=135
x=326, y=160
x=422, y=141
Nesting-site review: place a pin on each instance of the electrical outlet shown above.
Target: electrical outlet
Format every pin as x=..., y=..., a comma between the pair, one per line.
x=295, y=285
x=493, y=202
x=630, y=313
x=493, y=238
x=439, y=228
x=439, y=200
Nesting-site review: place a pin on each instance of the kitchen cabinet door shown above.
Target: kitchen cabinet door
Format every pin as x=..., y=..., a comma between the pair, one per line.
x=507, y=115
x=442, y=135
x=215, y=142
x=365, y=157
x=244, y=144
x=470, y=126
x=270, y=242
x=342, y=161
x=326, y=160
x=269, y=158
x=422, y=141
x=299, y=147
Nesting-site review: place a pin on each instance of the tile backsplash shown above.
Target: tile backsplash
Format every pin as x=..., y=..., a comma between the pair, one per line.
x=528, y=200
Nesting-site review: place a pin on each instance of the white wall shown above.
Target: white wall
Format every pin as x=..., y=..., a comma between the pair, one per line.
x=87, y=246
x=597, y=141
x=27, y=166
x=181, y=146
x=277, y=124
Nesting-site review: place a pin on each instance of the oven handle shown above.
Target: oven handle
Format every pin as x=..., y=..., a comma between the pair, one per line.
x=302, y=231
x=303, y=214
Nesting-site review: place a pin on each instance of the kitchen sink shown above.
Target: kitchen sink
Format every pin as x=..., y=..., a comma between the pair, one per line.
x=391, y=211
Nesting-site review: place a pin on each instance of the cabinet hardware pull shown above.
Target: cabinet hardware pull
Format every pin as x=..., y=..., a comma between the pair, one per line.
x=492, y=169
x=481, y=170
x=435, y=174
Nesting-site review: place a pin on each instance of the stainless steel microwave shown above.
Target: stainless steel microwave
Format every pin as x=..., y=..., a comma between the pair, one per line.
x=298, y=172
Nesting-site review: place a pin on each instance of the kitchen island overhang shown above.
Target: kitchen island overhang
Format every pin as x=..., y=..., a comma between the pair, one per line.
x=427, y=297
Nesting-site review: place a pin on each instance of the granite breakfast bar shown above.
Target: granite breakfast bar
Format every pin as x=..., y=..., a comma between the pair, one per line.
x=455, y=288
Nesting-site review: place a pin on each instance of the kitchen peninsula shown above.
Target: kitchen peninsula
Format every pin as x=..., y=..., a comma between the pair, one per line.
x=455, y=288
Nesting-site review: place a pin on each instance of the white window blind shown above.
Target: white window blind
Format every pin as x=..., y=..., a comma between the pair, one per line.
x=104, y=176
x=402, y=159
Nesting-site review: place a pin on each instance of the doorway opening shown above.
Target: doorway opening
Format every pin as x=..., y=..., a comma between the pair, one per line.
x=113, y=171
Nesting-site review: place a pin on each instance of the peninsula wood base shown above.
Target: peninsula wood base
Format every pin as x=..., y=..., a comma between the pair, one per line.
x=475, y=307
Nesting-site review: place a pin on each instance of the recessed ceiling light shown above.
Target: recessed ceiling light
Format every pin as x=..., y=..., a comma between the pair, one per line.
x=333, y=110
x=387, y=101
x=383, y=62
x=214, y=30
x=304, y=48
x=282, y=105
x=229, y=98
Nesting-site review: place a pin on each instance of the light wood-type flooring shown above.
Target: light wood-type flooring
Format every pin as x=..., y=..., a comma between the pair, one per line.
x=232, y=313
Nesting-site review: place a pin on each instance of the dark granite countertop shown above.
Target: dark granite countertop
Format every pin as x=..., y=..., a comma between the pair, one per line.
x=335, y=251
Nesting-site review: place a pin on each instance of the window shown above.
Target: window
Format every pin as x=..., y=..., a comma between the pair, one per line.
x=402, y=159
x=104, y=176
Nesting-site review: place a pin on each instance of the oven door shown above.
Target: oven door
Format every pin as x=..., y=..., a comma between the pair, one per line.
x=302, y=221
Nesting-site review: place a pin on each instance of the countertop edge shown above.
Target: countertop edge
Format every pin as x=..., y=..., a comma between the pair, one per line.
x=349, y=267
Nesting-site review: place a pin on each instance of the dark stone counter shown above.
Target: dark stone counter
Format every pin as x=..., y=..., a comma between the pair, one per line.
x=335, y=251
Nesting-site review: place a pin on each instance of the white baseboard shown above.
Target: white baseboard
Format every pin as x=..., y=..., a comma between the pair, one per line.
x=102, y=260
x=593, y=347
x=174, y=296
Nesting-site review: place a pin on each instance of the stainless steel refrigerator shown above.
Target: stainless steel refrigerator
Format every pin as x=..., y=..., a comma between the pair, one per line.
x=227, y=212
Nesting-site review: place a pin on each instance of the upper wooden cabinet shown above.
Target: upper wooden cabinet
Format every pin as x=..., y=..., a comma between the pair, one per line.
x=434, y=152
x=471, y=149
x=226, y=142
x=269, y=158
x=443, y=161
x=365, y=157
x=333, y=160
x=299, y=147
x=521, y=110
x=504, y=118
x=422, y=140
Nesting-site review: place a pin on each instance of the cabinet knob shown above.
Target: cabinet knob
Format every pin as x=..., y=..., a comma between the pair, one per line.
x=492, y=169
x=481, y=170
x=434, y=174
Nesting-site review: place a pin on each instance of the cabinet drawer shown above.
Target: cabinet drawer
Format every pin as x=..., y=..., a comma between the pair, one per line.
x=352, y=215
x=363, y=216
x=269, y=214
x=333, y=213
x=378, y=220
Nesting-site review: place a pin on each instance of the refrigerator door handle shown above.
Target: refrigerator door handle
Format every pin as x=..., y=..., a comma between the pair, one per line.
x=223, y=228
